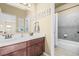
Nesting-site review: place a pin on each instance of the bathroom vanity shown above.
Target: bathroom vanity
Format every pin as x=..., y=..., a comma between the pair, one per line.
x=26, y=46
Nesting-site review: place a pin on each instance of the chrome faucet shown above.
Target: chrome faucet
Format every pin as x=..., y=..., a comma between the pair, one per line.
x=7, y=36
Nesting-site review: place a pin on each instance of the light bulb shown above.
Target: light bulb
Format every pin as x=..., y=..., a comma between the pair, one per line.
x=29, y=5
x=8, y=26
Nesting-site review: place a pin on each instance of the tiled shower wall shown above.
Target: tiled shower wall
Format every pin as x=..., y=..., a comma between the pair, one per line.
x=72, y=33
x=68, y=25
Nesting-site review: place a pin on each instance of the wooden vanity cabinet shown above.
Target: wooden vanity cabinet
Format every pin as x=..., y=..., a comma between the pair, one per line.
x=33, y=47
x=36, y=47
x=14, y=49
x=21, y=52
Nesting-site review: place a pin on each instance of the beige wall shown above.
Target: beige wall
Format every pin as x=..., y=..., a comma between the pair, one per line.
x=45, y=25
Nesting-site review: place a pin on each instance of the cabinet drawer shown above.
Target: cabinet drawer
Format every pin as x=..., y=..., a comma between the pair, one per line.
x=12, y=48
x=34, y=41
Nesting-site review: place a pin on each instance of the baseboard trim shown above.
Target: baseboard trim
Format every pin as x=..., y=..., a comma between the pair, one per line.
x=45, y=54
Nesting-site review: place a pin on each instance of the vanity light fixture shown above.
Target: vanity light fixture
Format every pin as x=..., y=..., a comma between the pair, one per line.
x=0, y=9
x=1, y=25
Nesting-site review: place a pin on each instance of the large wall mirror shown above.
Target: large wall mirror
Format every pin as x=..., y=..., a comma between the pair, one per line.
x=23, y=24
x=11, y=24
x=7, y=23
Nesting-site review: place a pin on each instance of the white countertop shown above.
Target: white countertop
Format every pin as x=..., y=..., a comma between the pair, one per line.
x=18, y=39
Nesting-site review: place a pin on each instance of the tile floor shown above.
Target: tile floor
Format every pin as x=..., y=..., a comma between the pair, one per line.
x=63, y=52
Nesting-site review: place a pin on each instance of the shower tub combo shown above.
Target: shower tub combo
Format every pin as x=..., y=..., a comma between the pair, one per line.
x=71, y=46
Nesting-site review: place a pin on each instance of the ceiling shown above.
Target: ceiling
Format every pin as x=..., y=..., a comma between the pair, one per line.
x=59, y=4
x=19, y=5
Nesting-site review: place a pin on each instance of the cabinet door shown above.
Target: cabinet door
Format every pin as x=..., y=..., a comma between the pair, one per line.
x=35, y=50
x=38, y=49
x=31, y=51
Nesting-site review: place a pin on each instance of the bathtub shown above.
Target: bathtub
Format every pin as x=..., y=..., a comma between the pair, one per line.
x=71, y=46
